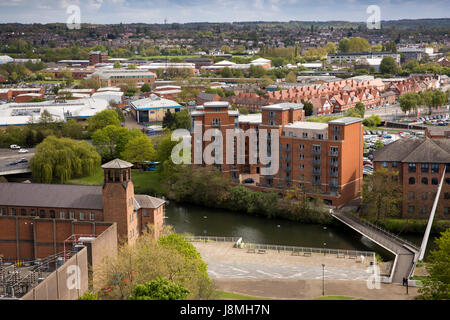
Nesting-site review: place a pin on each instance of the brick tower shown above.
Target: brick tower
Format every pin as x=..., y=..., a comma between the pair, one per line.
x=118, y=199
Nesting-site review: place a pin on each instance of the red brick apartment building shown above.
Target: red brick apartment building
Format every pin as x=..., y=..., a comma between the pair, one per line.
x=420, y=163
x=36, y=219
x=97, y=57
x=322, y=159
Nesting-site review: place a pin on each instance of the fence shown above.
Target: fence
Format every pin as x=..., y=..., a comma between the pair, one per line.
x=280, y=248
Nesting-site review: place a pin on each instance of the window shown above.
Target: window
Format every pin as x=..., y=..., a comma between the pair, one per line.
x=13, y=211
x=319, y=136
x=71, y=215
x=385, y=164
x=336, y=138
x=23, y=212
x=411, y=167
x=302, y=147
x=92, y=216
x=52, y=214
x=411, y=195
x=62, y=214
x=424, y=195
x=301, y=166
x=302, y=156
x=33, y=212
x=271, y=123
x=81, y=215
x=146, y=214
x=411, y=209
x=435, y=168
x=447, y=180
x=412, y=180
x=304, y=135
x=216, y=122
x=272, y=114
x=41, y=213
x=434, y=181
x=446, y=210
x=394, y=164
x=424, y=180
x=424, y=167
x=423, y=210
x=2, y=211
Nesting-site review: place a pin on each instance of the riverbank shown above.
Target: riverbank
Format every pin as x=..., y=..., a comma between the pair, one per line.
x=250, y=202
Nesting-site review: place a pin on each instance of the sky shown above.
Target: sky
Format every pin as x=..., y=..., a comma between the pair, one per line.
x=182, y=11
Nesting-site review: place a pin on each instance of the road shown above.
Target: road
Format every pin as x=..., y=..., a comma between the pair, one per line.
x=8, y=155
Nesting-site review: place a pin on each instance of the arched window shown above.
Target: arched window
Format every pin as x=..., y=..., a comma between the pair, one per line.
x=412, y=180
x=424, y=180
x=434, y=181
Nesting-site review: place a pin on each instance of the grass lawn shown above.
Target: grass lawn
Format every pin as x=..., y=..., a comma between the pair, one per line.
x=145, y=182
x=223, y=295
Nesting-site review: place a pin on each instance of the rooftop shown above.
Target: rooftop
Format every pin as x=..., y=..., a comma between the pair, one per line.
x=117, y=164
x=154, y=102
x=345, y=120
x=283, y=106
x=307, y=125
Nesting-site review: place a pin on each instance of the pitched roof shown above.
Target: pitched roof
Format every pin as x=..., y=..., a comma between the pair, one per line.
x=415, y=150
x=147, y=202
x=117, y=164
x=51, y=195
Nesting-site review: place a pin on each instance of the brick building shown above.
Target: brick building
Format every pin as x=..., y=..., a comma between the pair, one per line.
x=97, y=57
x=437, y=132
x=44, y=215
x=420, y=163
x=322, y=159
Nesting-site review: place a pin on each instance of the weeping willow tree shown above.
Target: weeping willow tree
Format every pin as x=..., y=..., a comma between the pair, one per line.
x=60, y=159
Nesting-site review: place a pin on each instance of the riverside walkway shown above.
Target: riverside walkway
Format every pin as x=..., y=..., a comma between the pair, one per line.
x=404, y=251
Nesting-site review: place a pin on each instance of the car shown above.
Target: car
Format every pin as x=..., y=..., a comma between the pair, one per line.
x=14, y=147
x=249, y=180
x=23, y=151
x=22, y=160
x=12, y=163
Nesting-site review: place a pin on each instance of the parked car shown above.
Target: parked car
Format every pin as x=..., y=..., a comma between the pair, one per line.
x=22, y=160
x=14, y=147
x=23, y=151
x=12, y=163
x=249, y=180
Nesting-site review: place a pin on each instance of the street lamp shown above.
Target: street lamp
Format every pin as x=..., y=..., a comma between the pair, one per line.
x=323, y=279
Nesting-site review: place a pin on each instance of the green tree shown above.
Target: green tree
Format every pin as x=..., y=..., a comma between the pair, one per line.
x=437, y=285
x=360, y=108
x=89, y=296
x=60, y=159
x=139, y=149
x=159, y=289
x=145, y=88
x=168, y=120
x=72, y=129
x=382, y=194
x=388, y=66
x=409, y=101
x=183, y=120
x=291, y=77
x=308, y=107
x=103, y=119
x=110, y=141
x=117, y=65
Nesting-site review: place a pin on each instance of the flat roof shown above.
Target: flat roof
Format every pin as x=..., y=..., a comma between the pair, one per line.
x=154, y=102
x=250, y=118
x=307, y=125
x=216, y=104
x=345, y=120
x=283, y=106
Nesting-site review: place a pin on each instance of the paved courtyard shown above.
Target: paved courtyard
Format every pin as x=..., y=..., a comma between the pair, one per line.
x=226, y=262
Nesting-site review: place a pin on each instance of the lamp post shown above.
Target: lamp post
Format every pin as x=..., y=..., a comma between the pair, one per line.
x=323, y=279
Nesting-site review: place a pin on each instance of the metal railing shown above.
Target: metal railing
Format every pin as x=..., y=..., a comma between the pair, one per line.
x=280, y=248
x=211, y=239
x=378, y=228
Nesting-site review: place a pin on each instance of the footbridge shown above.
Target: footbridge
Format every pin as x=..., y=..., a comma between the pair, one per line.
x=405, y=253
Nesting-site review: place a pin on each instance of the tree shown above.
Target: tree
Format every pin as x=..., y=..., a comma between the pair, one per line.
x=388, y=66
x=354, y=45
x=382, y=194
x=61, y=159
x=132, y=66
x=139, y=149
x=159, y=289
x=117, y=65
x=409, y=101
x=437, y=285
x=378, y=144
x=72, y=129
x=89, y=296
x=308, y=107
x=110, y=141
x=168, y=120
x=102, y=119
x=372, y=121
x=433, y=98
x=145, y=88
x=360, y=108
x=291, y=77
x=183, y=120
x=225, y=49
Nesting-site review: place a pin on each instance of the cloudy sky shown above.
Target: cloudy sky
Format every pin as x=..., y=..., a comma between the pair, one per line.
x=155, y=11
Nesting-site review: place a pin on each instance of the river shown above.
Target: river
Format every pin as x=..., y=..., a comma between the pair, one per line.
x=200, y=221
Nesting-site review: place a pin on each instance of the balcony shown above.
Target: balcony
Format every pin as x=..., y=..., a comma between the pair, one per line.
x=333, y=164
x=316, y=171
x=316, y=151
x=333, y=153
x=334, y=174
x=333, y=183
x=316, y=162
x=316, y=182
